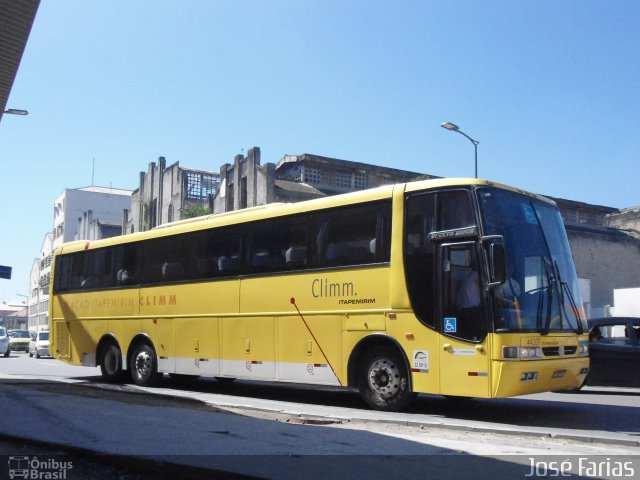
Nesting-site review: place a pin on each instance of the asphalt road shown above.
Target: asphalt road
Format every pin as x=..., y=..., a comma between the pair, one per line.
x=277, y=431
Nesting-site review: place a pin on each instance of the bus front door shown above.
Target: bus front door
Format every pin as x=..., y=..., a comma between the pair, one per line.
x=464, y=351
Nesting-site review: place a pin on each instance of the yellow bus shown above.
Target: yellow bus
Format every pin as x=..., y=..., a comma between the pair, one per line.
x=458, y=287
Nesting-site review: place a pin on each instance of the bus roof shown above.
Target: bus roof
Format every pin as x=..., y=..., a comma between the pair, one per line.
x=277, y=209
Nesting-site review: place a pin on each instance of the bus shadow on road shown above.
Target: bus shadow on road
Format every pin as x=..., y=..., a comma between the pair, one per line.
x=516, y=411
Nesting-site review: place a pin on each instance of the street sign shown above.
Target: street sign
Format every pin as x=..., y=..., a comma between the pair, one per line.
x=5, y=272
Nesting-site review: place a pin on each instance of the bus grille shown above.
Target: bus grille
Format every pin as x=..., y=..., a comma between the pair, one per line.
x=559, y=351
x=62, y=340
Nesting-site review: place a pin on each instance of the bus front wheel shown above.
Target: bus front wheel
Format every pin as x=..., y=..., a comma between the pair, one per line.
x=144, y=366
x=384, y=380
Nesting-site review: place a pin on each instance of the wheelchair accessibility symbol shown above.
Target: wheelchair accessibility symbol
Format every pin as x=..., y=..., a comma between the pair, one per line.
x=450, y=325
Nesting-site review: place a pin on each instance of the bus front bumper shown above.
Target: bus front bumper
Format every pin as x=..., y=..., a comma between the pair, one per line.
x=522, y=377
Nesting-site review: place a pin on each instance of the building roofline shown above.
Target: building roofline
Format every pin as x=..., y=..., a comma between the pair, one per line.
x=110, y=190
x=575, y=203
x=345, y=163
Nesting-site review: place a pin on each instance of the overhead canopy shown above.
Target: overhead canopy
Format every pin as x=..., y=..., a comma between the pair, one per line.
x=16, y=19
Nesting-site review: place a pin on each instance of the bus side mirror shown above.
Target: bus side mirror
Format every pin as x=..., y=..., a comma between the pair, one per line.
x=497, y=262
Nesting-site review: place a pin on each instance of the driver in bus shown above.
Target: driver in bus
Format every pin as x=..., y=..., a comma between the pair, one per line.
x=507, y=296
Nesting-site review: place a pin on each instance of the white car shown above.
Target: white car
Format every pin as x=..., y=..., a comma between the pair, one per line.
x=40, y=345
x=5, y=349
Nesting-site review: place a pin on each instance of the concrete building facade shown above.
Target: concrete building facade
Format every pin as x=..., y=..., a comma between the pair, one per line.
x=248, y=183
x=40, y=280
x=75, y=210
x=609, y=259
x=606, y=251
x=13, y=316
x=166, y=194
x=333, y=176
x=627, y=219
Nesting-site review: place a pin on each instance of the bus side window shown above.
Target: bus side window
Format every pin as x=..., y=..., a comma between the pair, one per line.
x=351, y=235
x=124, y=260
x=224, y=245
x=277, y=245
x=63, y=274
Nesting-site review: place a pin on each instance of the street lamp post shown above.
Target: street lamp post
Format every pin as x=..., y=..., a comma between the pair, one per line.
x=454, y=128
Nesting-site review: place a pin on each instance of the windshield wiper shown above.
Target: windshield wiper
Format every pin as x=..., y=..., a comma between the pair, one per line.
x=564, y=287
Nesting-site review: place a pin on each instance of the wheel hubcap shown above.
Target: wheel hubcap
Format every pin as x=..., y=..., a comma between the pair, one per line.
x=143, y=364
x=384, y=378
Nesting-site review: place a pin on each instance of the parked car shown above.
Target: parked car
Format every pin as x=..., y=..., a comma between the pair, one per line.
x=40, y=345
x=5, y=348
x=19, y=340
x=614, y=349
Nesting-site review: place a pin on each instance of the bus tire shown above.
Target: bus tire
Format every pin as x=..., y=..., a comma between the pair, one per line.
x=384, y=380
x=144, y=366
x=225, y=380
x=111, y=363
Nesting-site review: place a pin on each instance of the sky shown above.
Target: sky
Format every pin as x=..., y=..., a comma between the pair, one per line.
x=550, y=89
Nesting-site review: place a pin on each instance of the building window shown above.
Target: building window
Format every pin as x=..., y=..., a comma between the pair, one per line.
x=583, y=217
x=343, y=179
x=170, y=213
x=312, y=175
x=360, y=181
x=199, y=185
x=243, y=192
x=570, y=216
x=229, y=198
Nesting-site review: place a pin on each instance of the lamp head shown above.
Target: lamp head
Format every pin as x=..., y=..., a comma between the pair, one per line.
x=450, y=126
x=15, y=111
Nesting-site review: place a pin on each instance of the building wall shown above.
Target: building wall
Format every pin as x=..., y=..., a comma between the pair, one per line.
x=333, y=176
x=626, y=219
x=105, y=204
x=164, y=193
x=609, y=259
x=39, y=281
x=626, y=302
x=245, y=184
x=295, y=178
x=13, y=316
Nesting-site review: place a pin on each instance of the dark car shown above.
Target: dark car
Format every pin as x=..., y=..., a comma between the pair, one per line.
x=614, y=350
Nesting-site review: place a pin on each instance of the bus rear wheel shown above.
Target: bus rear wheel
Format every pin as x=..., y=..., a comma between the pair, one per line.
x=144, y=366
x=111, y=363
x=384, y=380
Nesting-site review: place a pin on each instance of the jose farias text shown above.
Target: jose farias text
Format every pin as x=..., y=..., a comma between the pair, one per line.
x=582, y=466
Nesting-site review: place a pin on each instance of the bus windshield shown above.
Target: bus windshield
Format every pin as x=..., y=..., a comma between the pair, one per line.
x=541, y=289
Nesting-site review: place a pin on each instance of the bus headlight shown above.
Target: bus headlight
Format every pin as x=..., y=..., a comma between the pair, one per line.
x=522, y=353
x=583, y=351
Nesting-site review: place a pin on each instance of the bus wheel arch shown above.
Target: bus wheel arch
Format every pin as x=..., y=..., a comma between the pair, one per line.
x=109, y=358
x=379, y=369
x=143, y=361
